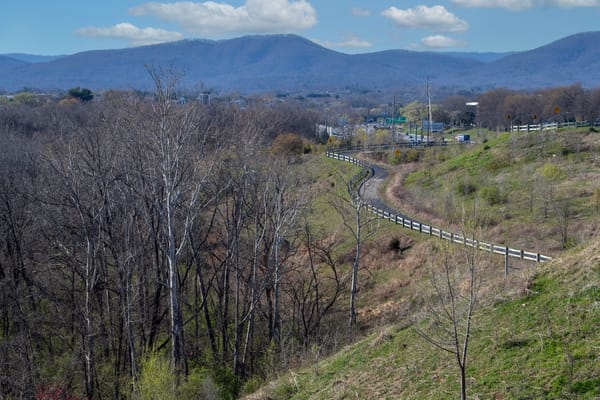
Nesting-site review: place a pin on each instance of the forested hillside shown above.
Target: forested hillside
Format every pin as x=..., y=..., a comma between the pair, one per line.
x=138, y=231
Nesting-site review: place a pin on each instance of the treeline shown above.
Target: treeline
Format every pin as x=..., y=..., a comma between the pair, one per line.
x=134, y=227
x=500, y=108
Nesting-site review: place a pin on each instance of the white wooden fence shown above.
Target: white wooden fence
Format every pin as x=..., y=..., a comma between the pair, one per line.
x=547, y=126
x=425, y=229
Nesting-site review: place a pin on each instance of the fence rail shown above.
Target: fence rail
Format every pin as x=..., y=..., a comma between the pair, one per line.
x=425, y=229
x=547, y=126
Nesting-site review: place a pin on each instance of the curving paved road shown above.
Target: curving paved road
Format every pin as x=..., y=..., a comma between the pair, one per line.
x=369, y=190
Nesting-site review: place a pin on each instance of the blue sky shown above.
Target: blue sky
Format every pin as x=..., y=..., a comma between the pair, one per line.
x=52, y=27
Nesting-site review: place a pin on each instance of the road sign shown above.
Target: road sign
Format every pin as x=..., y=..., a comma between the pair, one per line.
x=556, y=110
x=398, y=120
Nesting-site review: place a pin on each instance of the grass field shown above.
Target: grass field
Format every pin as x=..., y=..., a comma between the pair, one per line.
x=536, y=333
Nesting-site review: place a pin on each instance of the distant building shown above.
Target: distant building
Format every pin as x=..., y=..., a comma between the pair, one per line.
x=204, y=98
x=435, y=126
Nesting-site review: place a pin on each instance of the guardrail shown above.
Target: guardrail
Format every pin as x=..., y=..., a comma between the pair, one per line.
x=425, y=229
x=550, y=126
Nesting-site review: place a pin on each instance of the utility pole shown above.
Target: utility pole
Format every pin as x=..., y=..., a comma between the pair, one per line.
x=429, y=127
x=394, y=121
x=475, y=104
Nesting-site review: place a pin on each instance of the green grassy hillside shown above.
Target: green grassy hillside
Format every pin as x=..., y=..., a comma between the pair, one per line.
x=545, y=344
x=535, y=334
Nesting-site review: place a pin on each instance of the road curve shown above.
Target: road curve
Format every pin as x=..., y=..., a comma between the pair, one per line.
x=368, y=188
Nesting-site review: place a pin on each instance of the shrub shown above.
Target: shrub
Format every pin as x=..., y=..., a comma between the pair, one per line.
x=44, y=392
x=252, y=385
x=552, y=172
x=492, y=194
x=413, y=155
x=395, y=157
x=399, y=156
x=228, y=383
x=288, y=144
x=465, y=187
x=157, y=380
x=81, y=94
x=394, y=245
x=199, y=385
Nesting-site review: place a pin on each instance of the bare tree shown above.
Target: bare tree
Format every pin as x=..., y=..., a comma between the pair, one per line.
x=315, y=291
x=18, y=295
x=563, y=208
x=355, y=218
x=456, y=280
x=173, y=133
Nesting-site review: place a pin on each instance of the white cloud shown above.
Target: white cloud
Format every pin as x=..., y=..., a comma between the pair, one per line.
x=360, y=12
x=573, y=3
x=134, y=35
x=520, y=5
x=215, y=19
x=513, y=5
x=440, y=42
x=435, y=18
x=349, y=42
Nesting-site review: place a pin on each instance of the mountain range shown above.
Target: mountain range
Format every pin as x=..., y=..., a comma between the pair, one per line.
x=290, y=63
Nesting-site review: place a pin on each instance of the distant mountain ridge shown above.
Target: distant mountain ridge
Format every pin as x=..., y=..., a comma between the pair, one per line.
x=273, y=63
x=32, y=58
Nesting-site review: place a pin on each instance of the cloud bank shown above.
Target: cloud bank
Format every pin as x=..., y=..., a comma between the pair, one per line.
x=132, y=34
x=521, y=5
x=349, y=42
x=440, y=42
x=436, y=18
x=211, y=19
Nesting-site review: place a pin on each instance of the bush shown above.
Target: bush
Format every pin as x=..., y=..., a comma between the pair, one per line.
x=157, y=380
x=252, y=385
x=199, y=385
x=399, y=156
x=81, y=94
x=492, y=194
x=52, y=393
x=228, y=383
x=394, y=245
x=553, y=172
x=288, y=144
x=465, y=187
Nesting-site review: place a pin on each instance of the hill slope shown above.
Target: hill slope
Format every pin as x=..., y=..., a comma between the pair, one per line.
x=536, y=332
x=291, y=63
x=574, y=59
x=542, y=345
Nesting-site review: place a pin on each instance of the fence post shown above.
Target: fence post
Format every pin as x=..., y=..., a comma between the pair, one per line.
x=505, y=262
